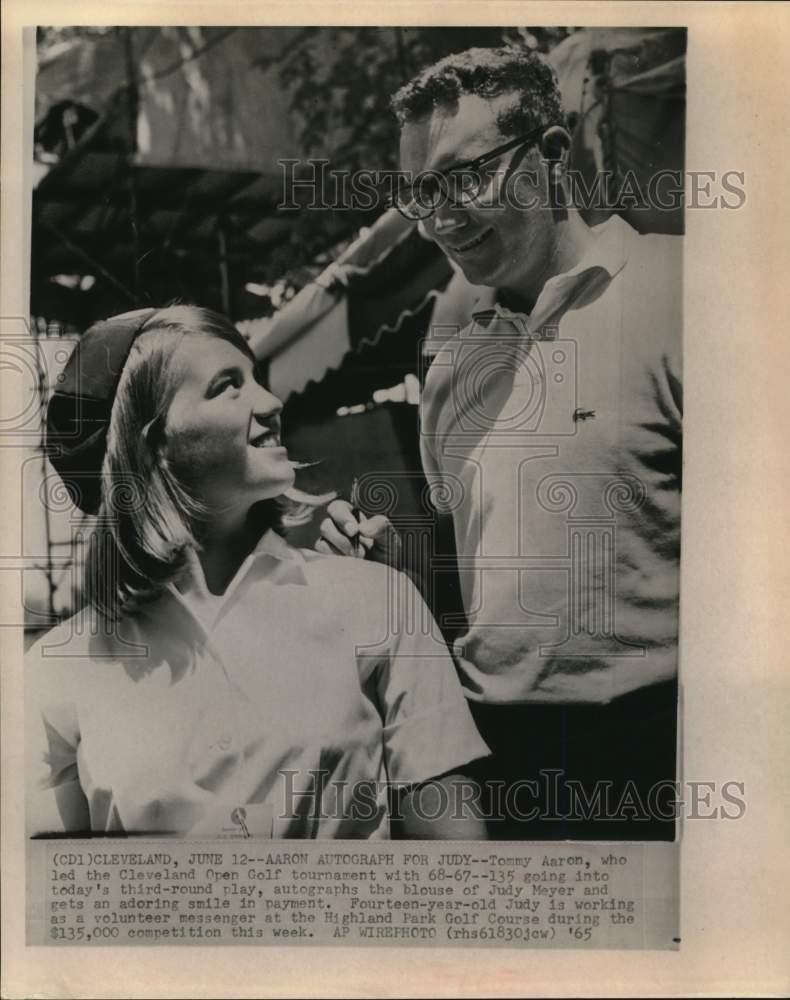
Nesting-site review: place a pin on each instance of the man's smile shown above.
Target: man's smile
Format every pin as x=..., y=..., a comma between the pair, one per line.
x=473, y=243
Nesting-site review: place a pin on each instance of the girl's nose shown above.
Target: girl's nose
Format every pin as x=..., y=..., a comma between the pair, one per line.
x=266, y=404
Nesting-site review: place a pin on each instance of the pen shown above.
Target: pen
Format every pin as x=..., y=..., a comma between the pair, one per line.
x=356, y=512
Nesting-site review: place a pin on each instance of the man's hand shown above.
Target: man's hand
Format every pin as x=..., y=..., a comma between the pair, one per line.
x=342, y=533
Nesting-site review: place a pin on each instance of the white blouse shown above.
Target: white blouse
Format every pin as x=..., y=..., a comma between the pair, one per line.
x=281, y=709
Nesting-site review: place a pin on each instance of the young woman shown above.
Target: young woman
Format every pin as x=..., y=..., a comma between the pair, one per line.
x=220, y=681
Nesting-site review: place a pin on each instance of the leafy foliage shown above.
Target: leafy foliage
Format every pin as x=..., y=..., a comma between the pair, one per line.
x=340, y=81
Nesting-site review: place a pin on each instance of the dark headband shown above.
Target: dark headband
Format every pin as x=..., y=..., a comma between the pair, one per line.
x=78, y=415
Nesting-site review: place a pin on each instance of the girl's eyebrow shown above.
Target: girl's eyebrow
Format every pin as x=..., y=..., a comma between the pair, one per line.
x=226, y=372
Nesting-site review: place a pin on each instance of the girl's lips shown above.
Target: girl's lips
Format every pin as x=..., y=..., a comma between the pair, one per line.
x=264, y=433
x=275, y=453
x=276, y=450
x=268, y=439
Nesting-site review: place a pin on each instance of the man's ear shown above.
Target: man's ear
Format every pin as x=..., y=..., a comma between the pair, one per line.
x=555, y=147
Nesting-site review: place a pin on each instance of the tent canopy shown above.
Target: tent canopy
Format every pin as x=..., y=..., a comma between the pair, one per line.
x=168, y=178
x=626, y=88
x=204, y=97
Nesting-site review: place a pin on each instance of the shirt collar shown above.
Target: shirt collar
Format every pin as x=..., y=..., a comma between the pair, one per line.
x=608, y=253
x=609, y=250
x=191, y=591
x=273, y=544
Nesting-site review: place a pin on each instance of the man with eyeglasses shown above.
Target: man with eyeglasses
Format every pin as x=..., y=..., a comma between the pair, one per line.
x=553, y=422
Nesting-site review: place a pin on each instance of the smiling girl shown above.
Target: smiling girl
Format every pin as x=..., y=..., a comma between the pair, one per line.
x=222, y=682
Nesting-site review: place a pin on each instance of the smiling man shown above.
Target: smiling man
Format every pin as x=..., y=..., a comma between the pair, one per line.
x=496, y=228
x=554, y=422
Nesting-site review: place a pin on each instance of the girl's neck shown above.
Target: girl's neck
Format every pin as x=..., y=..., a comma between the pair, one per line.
x=225, y=544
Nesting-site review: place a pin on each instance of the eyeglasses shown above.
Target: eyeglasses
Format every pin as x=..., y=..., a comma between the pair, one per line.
x=459, y=185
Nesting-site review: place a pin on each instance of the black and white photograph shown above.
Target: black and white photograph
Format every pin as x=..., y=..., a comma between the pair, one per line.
x=349, y=434
x=360, y=487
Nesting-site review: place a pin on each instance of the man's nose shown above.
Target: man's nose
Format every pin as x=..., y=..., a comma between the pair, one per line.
x=448, y=218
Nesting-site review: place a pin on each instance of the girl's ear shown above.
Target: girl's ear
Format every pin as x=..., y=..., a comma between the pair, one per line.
x=154, y=433
x=154, y=450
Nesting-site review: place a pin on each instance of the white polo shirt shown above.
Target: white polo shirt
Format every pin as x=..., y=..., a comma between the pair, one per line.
x=282, y=707
x=556, y=437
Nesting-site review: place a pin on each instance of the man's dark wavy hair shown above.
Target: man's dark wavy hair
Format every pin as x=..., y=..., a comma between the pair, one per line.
x=487, y=73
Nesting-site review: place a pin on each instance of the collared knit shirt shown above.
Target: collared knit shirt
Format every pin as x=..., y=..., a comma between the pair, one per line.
x=556, y=438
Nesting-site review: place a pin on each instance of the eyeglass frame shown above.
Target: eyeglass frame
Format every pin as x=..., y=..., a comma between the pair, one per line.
x=474, y=165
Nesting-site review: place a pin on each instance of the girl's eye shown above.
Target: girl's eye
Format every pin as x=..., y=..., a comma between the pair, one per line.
x=224, y=384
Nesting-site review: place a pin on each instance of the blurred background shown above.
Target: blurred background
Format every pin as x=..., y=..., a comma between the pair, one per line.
x=157, y=177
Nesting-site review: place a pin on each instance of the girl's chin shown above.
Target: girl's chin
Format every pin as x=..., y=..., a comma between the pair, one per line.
x=276, y=486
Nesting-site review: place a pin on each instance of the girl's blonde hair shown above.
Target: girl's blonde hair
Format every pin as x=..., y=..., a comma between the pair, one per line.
x=148, y=519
